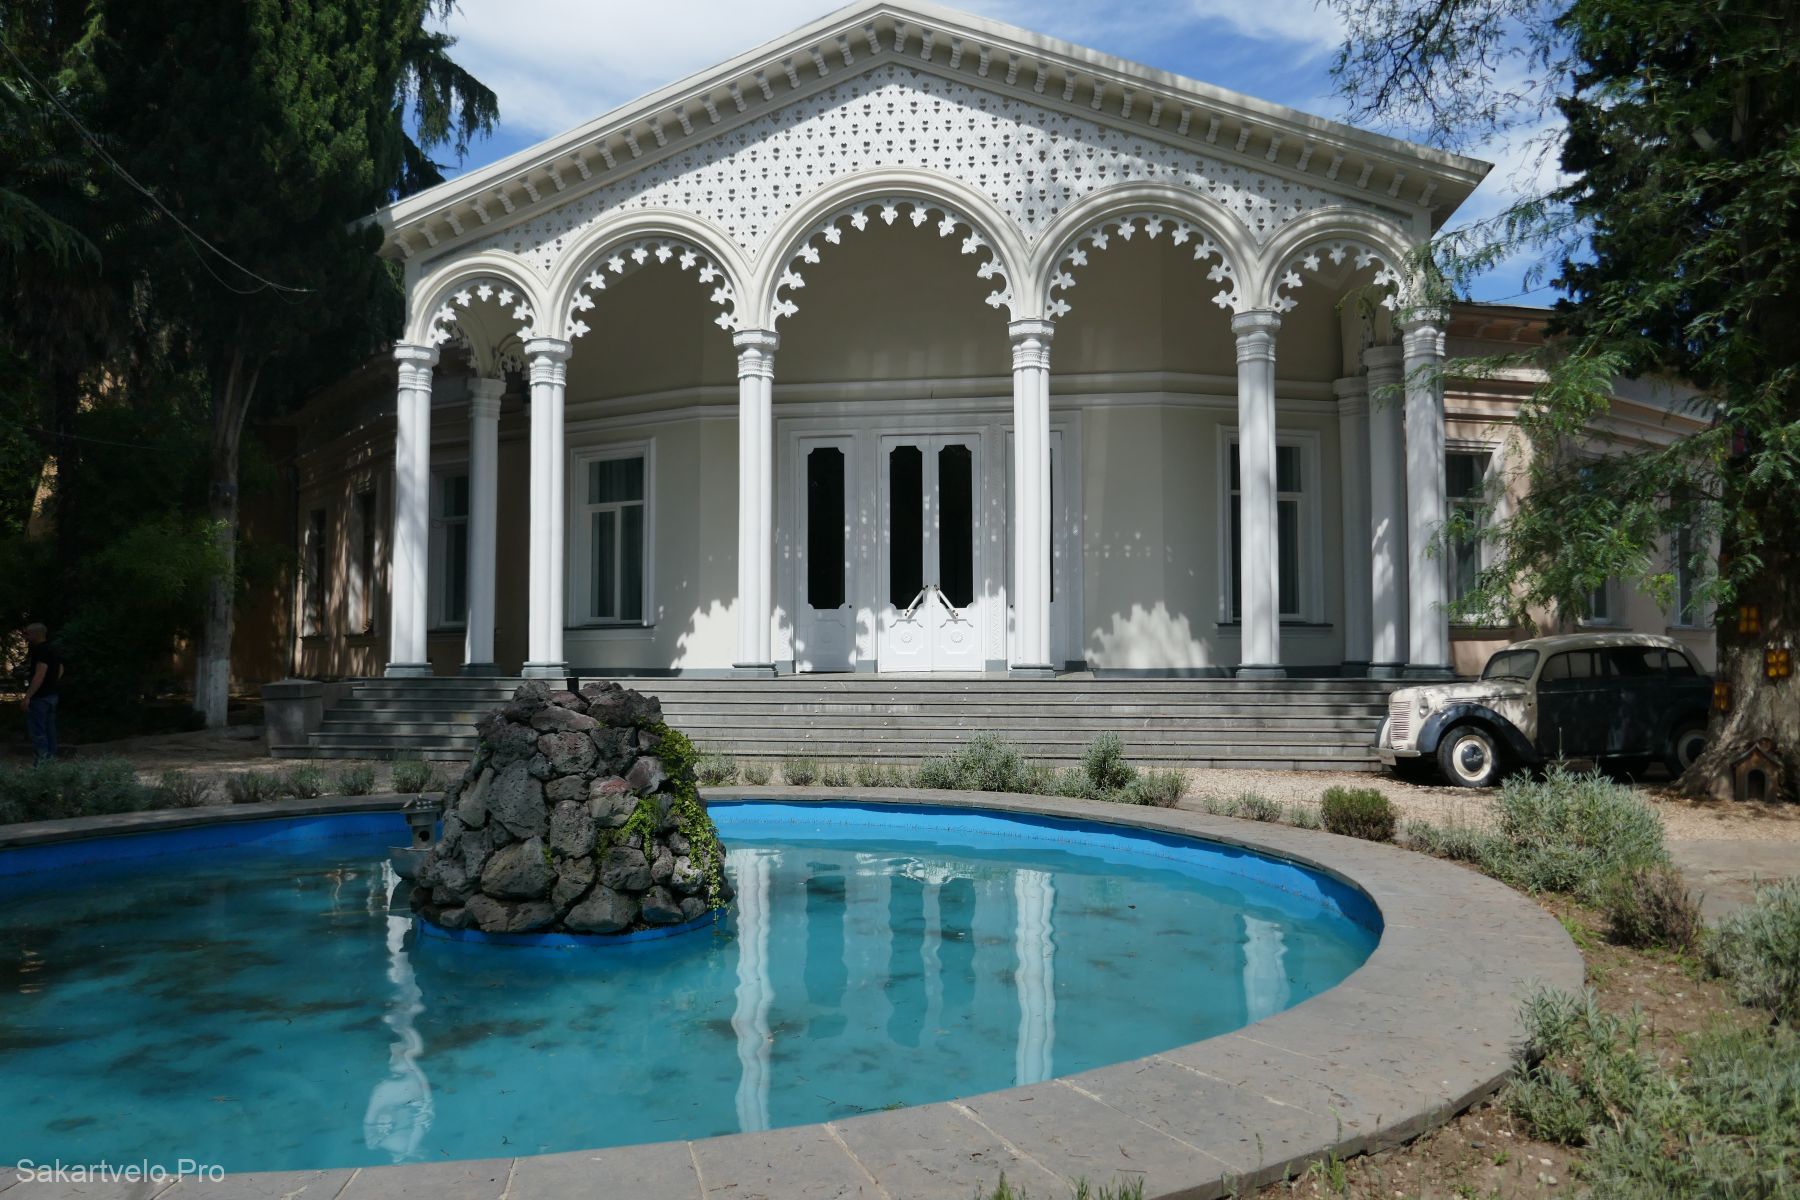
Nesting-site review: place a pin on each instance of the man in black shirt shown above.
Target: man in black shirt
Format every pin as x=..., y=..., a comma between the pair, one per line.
x=45, y=667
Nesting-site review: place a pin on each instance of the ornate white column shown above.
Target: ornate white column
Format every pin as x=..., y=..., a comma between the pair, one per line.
x=412, y=518
x=549, y=358
x=484, y=461
x=1353, y=474
x=1428, y=624
x=756, y=500
x=1031, y=499
x=1387, y=515
x=1259, y=560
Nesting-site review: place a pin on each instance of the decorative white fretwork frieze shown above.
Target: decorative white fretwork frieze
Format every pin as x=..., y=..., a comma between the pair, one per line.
x=1152, y=225
x=1336, y=251
x=1032, y=161
x=622, y=260
x=891, y=210
x=447, y=321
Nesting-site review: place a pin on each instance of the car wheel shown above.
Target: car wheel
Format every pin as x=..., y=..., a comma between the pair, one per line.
x=1468, y=757
x=1685, y=747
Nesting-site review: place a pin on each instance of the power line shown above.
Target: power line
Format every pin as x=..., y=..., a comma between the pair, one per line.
x=118, y=169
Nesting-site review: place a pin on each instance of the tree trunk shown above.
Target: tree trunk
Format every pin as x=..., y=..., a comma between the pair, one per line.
x=1762, y=709
x=212, y=668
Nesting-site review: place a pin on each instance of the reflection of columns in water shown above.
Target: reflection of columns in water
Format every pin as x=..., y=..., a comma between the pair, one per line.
x=1034, y=943
x=400, y=1107
x=755, y=993
x=1265, y=974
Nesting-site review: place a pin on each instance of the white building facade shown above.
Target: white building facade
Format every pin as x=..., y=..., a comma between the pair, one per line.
x=913, y=342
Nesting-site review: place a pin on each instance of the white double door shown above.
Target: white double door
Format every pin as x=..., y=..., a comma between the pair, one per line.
x=932, y=579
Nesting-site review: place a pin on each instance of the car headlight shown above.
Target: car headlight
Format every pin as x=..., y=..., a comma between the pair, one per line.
x=1424, y=703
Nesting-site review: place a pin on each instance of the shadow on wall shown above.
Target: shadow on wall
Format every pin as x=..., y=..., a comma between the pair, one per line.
x=1148, y=638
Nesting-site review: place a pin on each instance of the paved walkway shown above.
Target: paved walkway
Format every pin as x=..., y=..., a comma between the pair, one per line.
x=1724, y=871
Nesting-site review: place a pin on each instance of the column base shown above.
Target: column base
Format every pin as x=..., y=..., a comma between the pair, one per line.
x=753, y=671
x=1261, y=671
x=1030, y=671
x=400, y=670
x=479, y=669
x=545, y=670
x=1427, y=671
x=1387, y=671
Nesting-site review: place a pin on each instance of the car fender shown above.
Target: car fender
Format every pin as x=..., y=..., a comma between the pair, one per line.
x=1514, y=742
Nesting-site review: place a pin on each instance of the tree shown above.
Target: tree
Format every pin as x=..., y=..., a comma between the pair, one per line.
x=265, y=130
x=1675, y=241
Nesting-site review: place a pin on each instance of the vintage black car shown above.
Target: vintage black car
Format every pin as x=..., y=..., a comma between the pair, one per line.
x=1619, y=700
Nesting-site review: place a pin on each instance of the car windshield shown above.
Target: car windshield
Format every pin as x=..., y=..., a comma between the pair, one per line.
x=1511, y=664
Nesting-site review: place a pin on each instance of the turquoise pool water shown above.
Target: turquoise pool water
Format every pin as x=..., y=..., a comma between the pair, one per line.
x=248, y=996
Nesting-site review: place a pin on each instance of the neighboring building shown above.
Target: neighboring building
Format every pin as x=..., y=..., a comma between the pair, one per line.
x=911, y=341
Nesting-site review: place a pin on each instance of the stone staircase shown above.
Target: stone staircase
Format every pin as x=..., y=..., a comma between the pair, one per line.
x=1290, y=724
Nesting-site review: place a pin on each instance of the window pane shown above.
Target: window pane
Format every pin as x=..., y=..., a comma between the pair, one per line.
x=1233, y=468
x=456, y=573
x=825, y=527
x=1634, y=662
x=1463, y=474
x=956, y=525
x=1600, y=604
x=1235, y=562
x=606, y=581
x=615, y=479
x=631, y=563
x=1287, y=517
x=1465, y=562
x=906, y=529
x=1287, y=469
x=1681, y=664
x=454, y=493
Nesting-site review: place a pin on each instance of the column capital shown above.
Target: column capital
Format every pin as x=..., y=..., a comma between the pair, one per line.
x=1255, y=321
x=765, y=341
x=484, y=398
x=1383, y=358
x=1424, y=317
x=1352, y=393
x=554, y=349
x=1032, y=328
x=408, y=354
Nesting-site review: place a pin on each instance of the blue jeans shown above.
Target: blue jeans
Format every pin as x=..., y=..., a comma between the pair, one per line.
x=40, y=723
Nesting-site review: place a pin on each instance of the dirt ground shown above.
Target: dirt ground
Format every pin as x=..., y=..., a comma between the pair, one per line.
x=1483, y=1153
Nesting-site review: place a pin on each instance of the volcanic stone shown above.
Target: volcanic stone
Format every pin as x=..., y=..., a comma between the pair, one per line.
x=566, y=787
x=692, y=907
x=574, y=876
x=568, y=699
x=604, y=911
x=519, y=872
x=571, y=830
x=611, y=802
x=517, y=801
x=685, y=877
x=615, y=748
x=646, y=775
x=660, y=908
x=554, y=719
x=568, y=752
x=662, y=867
x=508, y=741
x=471, y=809
x=624, y=869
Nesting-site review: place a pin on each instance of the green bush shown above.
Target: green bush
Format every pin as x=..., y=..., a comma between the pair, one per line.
x=1460, y=842
x=1252, y=807
x=834, y=775
x=307, y=782
x=1756, y=950
x=716, y=770
x=1358, y=812
x=412, y=776
x=253, y=787
x=1158, y=787
x=1303, y=816
x=984, y=763
x=358, y=780
x=1727, y=1125
x=176, y=790
x=1219, y=806
x=875, y=775
x=1103, y=762
x=756, y=773
x=799, y=772
x=1650, y=906
x=79, y=787
x=1570, y=833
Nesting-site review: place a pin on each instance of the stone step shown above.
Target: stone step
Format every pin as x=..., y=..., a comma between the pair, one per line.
x=959, y=715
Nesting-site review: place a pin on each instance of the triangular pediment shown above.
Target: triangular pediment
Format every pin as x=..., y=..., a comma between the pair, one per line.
x=1029, y=121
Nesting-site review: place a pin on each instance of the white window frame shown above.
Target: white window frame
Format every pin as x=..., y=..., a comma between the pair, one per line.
x=1311, y=590
x=1611, y=619
x=442, y=530
x=1678, y=564
x=1484, y=549
x=580, y=543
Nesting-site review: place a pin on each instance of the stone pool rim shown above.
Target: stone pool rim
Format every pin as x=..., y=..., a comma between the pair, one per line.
x=1423, y=1029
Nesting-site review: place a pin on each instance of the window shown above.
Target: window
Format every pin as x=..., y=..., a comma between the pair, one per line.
x=612, y=525
x=450, y=548
x=313, y=575
x=1687, y=604
x=1465, y=473
x=825, y=560
x=363, y=532
x=1290, y=500
x=1600, y=605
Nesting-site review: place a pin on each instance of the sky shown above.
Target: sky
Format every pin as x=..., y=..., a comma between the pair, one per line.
x=557, y=63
